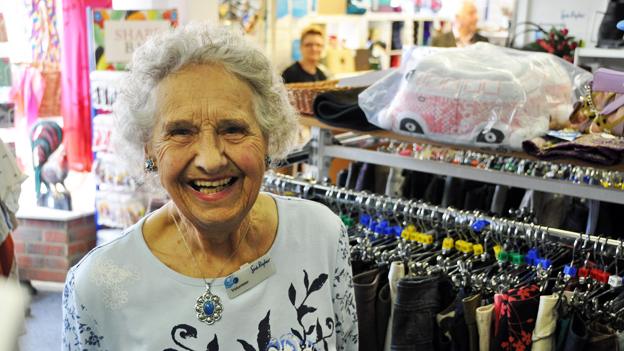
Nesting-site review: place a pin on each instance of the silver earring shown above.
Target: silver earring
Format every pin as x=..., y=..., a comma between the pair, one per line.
x=150, y=166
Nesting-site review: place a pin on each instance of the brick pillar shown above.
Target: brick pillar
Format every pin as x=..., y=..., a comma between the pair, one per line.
x=45, y=249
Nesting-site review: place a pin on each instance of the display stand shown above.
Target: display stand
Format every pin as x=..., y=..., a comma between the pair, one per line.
x=323, y=151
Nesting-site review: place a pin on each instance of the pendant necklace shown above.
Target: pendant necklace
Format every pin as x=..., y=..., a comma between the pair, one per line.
x=208, y=305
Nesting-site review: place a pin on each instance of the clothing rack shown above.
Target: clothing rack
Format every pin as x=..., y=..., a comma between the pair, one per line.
x=311, y=189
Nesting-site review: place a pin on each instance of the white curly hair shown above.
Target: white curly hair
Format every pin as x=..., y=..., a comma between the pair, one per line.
x=199, y=43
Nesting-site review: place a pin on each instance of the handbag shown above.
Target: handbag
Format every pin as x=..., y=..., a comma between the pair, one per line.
x=601, y=108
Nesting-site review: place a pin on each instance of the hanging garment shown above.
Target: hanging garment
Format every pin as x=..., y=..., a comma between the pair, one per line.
x=366, y=178
x=620, y=336
x=452, y=324
x=513, y=199
x=546, y=324
x=499, y=199
x=370, y=313
x=575, y=218
x=381, y=174
x=471, y=304
x=606, y=225
x=435, y=190
x=76, y=100
x=563, y=324
x=457, y=192
x=341, y=178
x=415, y=184
x=479, y=198
x=397, y=272
x=418, y=301
x=484, y=326
x=577, y=335
x=602, y=338
x=382, y=312
x=394, y=183
x=27, y=94
x=514, y=318
x=353, y=173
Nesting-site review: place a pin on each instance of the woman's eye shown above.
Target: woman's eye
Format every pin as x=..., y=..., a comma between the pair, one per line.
x=234, y=130
x=180, y=131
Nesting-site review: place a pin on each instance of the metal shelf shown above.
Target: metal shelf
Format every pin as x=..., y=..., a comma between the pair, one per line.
x=482, y=175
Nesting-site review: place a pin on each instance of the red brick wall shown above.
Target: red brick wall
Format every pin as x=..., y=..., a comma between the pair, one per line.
x=46, y=249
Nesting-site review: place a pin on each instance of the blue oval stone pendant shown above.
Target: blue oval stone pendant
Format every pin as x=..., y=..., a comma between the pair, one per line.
x=208, y=307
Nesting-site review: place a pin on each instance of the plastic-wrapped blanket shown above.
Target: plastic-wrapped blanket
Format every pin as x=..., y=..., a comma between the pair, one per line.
x=481, y=95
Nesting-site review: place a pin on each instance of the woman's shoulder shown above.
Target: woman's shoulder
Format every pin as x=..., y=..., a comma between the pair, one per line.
x=298, y=205
x=113, y=255
x=306, y=216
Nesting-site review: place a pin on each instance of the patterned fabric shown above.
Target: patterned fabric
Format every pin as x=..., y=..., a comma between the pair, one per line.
x=514, y=318
x=44, y=33
x=121, y=297
x=75, y=100
x=599, y=148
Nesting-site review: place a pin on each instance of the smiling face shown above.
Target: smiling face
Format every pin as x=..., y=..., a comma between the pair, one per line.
x=208, y=145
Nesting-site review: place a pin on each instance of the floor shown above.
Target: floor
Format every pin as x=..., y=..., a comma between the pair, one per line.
x=43, y=326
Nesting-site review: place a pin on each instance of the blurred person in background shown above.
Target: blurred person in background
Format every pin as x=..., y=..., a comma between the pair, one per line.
x=464, y=31
x=307, y=69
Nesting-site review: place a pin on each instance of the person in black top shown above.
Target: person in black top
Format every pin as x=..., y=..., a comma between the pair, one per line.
x=306, y=69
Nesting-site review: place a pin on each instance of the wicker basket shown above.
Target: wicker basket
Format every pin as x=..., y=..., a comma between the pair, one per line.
x=51, y=102
x=302, y=95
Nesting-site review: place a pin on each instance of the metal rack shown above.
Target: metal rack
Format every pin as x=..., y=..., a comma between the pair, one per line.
x=323, y=151
x=311, y=189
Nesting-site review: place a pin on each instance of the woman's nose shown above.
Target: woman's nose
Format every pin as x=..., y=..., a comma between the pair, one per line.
x=210, y=153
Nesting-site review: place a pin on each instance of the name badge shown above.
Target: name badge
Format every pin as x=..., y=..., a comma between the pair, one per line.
x=248, y=276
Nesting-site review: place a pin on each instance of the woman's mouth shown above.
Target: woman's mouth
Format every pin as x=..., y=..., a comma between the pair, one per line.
x=212, y=187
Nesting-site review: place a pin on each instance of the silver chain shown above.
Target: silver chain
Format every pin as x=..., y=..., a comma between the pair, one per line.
x=209, y=284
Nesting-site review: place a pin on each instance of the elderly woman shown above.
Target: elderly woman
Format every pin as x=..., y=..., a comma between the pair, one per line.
x=221, y=266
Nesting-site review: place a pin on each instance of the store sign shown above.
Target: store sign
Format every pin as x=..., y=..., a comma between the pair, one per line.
x=122, y=37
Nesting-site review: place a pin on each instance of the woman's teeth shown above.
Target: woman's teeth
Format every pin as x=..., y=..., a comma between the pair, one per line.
x=208, y=187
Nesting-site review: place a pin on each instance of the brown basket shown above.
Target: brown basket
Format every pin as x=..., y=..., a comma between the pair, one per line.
x=302, y=95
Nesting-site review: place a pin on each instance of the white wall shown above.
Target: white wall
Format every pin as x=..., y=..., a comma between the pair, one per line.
x=17, y=24
x=581, y=17
x=188, y=10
